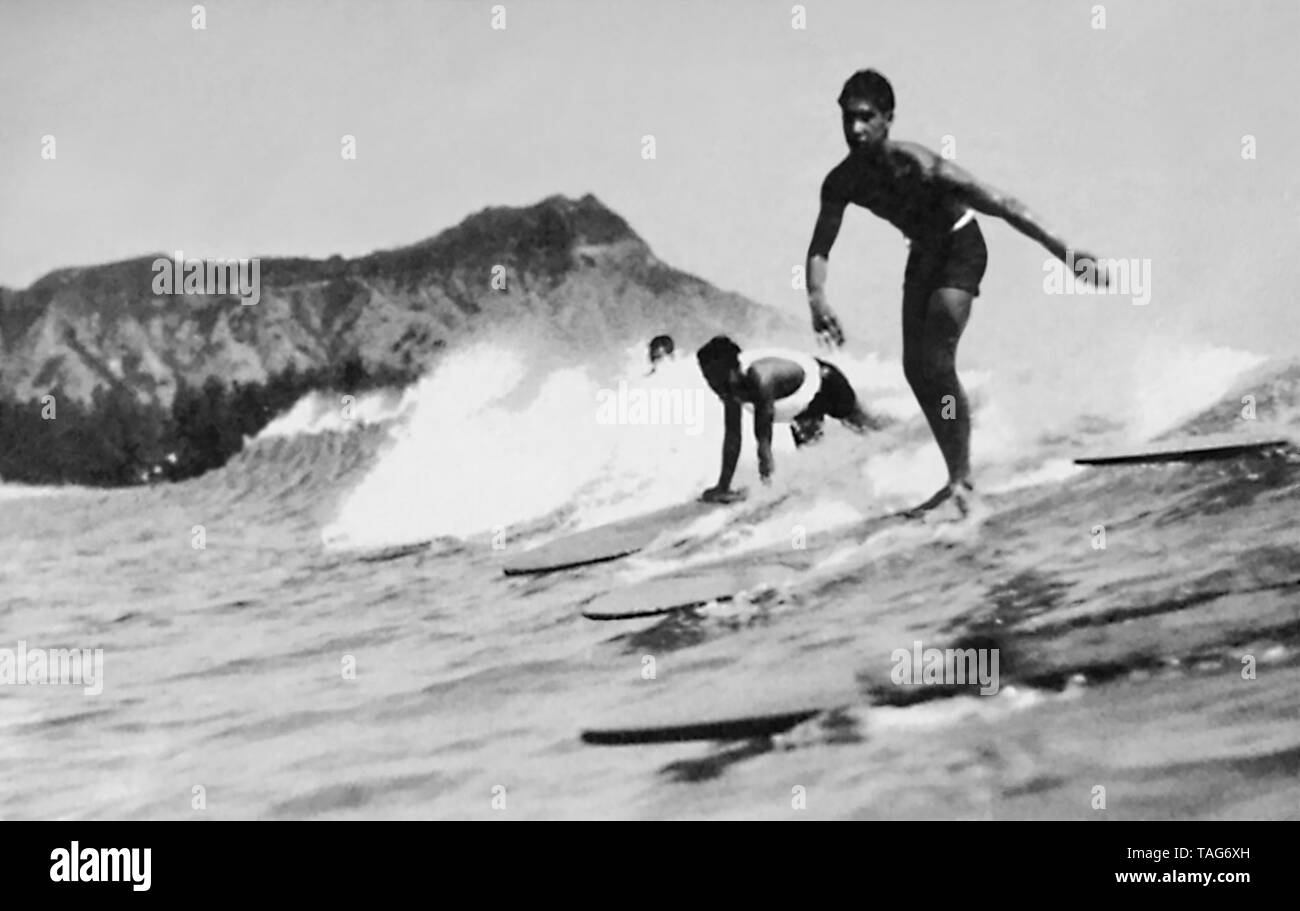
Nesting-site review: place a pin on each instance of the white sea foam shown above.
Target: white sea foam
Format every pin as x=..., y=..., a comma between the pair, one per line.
x=1170, y=383
x=488, y=441
x=319, y=412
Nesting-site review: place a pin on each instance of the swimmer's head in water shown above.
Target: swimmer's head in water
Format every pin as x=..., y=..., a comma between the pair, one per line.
x=867, y=105
x=660, y=347
x=719, y=359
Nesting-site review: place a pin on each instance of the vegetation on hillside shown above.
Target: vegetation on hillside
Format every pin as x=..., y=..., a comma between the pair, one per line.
x=117, y=440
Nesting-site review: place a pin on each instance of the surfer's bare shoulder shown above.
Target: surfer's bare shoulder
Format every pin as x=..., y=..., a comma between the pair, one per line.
x=933, y=167
x=913, y=155
x=839, y=181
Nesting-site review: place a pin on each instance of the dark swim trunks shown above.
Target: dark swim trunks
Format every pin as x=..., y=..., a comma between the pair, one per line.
x=953, y=260
x=835, y=399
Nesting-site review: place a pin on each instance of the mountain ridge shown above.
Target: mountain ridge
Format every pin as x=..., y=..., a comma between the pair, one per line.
x=575, y=273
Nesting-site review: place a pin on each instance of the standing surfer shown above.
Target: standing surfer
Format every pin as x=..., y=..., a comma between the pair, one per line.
x=933, y=202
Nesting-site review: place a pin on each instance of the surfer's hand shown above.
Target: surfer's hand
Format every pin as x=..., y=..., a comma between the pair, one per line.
x=722, y=495
x=825, y=324
x=1094, y=269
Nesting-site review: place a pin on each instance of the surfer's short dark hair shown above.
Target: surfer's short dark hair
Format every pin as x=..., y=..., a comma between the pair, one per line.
x=869, y=85
x=719, y=350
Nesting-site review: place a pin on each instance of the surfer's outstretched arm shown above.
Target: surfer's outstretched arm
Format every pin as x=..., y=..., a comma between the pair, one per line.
x=764, y=415
x=983, y=198
x=723, y=493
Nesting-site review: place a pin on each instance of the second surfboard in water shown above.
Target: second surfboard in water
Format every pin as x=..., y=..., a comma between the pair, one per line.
x=742, y=728
x=720, y=581
x=607, y=542
x=1190, y=449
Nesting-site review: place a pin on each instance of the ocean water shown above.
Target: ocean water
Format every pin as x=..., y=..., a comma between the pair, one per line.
x=321, y=629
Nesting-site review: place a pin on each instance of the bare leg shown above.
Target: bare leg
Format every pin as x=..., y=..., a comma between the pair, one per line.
x=860, y=421
x=837, y=399
x=932, y=328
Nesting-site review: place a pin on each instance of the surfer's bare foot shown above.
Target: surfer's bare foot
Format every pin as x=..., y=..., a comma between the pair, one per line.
x=941, y=495
x=722, y=495
x=960, y=493
x=959, y=518
x=970, y=504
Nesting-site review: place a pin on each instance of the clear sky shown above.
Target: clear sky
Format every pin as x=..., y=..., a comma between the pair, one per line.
x=1128, y=139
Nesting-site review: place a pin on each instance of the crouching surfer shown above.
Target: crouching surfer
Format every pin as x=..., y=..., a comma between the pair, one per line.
x=780, y=386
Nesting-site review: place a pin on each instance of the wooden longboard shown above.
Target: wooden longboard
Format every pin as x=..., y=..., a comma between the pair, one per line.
x=742, y=718
x=606, y=542
x=720, y=581
x=1189, y=449
x=742, y=728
